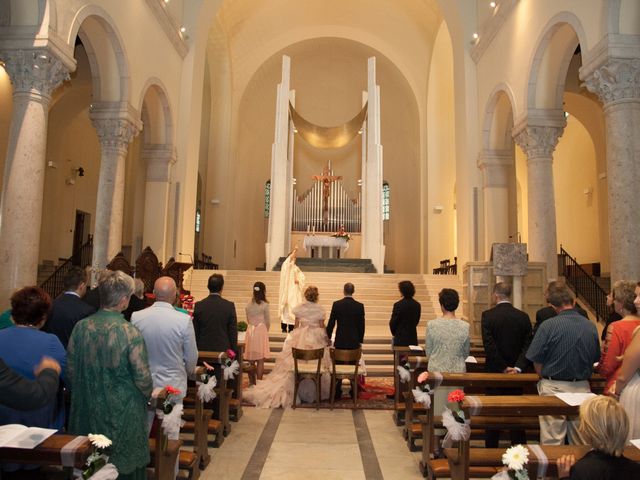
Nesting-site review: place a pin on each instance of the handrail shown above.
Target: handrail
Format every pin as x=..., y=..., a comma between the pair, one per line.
x=584, y=284
x=54, y=285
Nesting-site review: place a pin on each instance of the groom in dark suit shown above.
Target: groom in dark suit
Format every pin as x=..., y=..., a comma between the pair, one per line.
x=349, y=314
x=214, y=320
x=506, y=334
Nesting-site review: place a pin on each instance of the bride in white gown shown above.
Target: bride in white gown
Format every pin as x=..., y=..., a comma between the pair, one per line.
x=276, y=390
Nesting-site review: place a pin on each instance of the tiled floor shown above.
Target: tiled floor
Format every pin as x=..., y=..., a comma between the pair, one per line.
x=309, y=444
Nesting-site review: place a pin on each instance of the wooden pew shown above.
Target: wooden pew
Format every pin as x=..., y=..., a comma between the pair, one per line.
x=503, y=406
x=492, y=457
x=400, y=388
x=48, y=453
x=470, y=382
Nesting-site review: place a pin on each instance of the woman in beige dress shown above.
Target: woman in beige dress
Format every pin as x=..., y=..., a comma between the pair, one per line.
x=257, y=337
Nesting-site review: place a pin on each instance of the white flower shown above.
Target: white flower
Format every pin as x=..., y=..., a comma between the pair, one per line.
x=516, y=457
x=422, y=397
x=404, y=374
x=99, y=441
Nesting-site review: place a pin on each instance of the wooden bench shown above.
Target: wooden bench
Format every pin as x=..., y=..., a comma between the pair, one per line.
x=536, y=467
x=222, y=403
x=48, y=453
x=503, y=406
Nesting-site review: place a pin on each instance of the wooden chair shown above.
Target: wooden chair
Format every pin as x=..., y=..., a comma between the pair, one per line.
x=346, y=368
x=307, y=370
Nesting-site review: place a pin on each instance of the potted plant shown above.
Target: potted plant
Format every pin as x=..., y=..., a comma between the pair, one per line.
x=242, y=330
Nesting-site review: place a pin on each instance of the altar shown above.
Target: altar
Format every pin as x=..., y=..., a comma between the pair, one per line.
x=324, y=246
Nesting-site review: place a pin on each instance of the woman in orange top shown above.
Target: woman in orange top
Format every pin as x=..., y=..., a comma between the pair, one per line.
x=619, y=333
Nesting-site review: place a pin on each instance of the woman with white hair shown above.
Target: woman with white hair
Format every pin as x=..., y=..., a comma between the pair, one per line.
x=108, y=371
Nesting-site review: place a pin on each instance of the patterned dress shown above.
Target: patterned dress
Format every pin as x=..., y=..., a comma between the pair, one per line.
x=108, y=372
x=257, y=337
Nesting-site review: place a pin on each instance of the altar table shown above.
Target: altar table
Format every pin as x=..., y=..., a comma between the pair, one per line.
x=327, y=246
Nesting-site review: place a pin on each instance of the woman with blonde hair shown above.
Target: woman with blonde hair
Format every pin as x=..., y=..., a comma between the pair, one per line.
x=604, y=425
x=257, y=337
x=309, y=333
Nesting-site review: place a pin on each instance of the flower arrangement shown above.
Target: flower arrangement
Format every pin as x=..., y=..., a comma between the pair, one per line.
x=230, y=366
x=458, y=428
x=344, y=235
x=187, y=302
x=515, y=458
x=167, y=405
x=99, y=457
x=422, y=391
x=457, y=396
x=242, y=326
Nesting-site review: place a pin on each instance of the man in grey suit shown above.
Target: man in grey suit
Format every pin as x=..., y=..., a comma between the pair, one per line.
x=214, y=320
x=170, y=340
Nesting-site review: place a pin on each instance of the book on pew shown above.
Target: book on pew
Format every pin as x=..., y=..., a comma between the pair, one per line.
x=635, y=443
x=575, y=399
x=415, y=348
x=471, y=359
x=19, y=436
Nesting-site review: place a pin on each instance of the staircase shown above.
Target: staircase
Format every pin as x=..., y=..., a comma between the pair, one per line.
x=377, y=292
x=45, y=270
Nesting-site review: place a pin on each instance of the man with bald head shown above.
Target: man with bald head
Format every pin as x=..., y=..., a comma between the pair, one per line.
x=170, y=338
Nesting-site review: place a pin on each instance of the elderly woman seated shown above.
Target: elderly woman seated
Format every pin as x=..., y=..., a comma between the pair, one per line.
x=603, y=425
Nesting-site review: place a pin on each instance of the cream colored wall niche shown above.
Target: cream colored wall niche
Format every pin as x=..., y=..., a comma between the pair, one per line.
x=328, y=76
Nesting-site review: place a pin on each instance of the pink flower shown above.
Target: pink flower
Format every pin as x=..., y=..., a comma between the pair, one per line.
x=171, y=390
x=456, y=396
x=423, y=377
x=231, y=354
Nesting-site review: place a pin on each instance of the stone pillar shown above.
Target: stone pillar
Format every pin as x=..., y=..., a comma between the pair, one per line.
x=34, y=75
x=116, y=124
x=617, y=82
x=495, y=166
x=159, y=159
x=538, y=143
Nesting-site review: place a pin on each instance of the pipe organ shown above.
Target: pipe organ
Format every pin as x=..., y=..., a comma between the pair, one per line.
x=341, y=209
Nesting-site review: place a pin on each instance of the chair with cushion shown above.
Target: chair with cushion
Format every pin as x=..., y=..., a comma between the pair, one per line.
x=345, y=365
x=304, y=367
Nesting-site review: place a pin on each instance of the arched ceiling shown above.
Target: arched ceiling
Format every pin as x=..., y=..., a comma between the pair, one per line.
x=252, y=31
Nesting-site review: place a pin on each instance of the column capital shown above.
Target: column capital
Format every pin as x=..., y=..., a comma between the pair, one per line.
x=495, y=167
x=538, y=142
x=159, y=159
x=116, y=124
x=34, y=70
x=616, y=80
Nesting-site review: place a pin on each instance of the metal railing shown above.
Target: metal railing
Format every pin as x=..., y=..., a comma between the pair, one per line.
x=54, y=285
x=584, y=285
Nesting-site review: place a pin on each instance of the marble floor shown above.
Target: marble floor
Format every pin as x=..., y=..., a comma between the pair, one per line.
x=309, y=444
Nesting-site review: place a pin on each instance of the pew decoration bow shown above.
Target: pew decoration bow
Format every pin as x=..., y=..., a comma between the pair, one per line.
x=421, y=393
x=98, y=465
x=404, y=372
x=230, y=366
x=458, y=427
x=171, y=413
x=206, y=384
x=515, y=458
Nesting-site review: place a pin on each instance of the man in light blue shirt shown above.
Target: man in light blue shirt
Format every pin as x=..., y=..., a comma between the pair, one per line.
x=170, y=339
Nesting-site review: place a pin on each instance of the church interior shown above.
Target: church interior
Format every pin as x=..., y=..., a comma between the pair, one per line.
x=221, y=134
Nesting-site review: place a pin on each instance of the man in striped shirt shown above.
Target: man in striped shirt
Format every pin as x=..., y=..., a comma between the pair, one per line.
x=563, y=353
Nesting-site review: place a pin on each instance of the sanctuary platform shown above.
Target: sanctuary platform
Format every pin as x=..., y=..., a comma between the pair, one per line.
x=350, y=265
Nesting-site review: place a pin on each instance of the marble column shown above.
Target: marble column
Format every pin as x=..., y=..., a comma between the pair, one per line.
x=159, y=159
x=495, y=166
x=116, y=124
x=538, y=143
x=34, y=75
x=617, y=82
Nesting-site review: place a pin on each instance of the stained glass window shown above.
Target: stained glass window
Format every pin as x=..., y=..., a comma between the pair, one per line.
x=385, y=201
x=267, y=198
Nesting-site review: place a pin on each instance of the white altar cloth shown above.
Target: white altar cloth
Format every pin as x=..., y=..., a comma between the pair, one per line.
x=311, y=241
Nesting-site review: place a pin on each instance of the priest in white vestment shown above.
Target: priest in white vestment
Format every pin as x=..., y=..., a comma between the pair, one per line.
x=291, y=288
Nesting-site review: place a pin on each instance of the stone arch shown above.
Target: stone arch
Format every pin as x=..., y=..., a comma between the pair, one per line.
x=550, y=62
x=498, y=118
x=104, y=47
x=156, y=113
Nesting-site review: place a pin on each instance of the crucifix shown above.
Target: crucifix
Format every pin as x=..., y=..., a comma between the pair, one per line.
x=327, y=179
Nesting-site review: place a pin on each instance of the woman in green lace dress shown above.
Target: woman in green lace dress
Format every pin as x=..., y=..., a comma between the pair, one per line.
x=108, y=370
